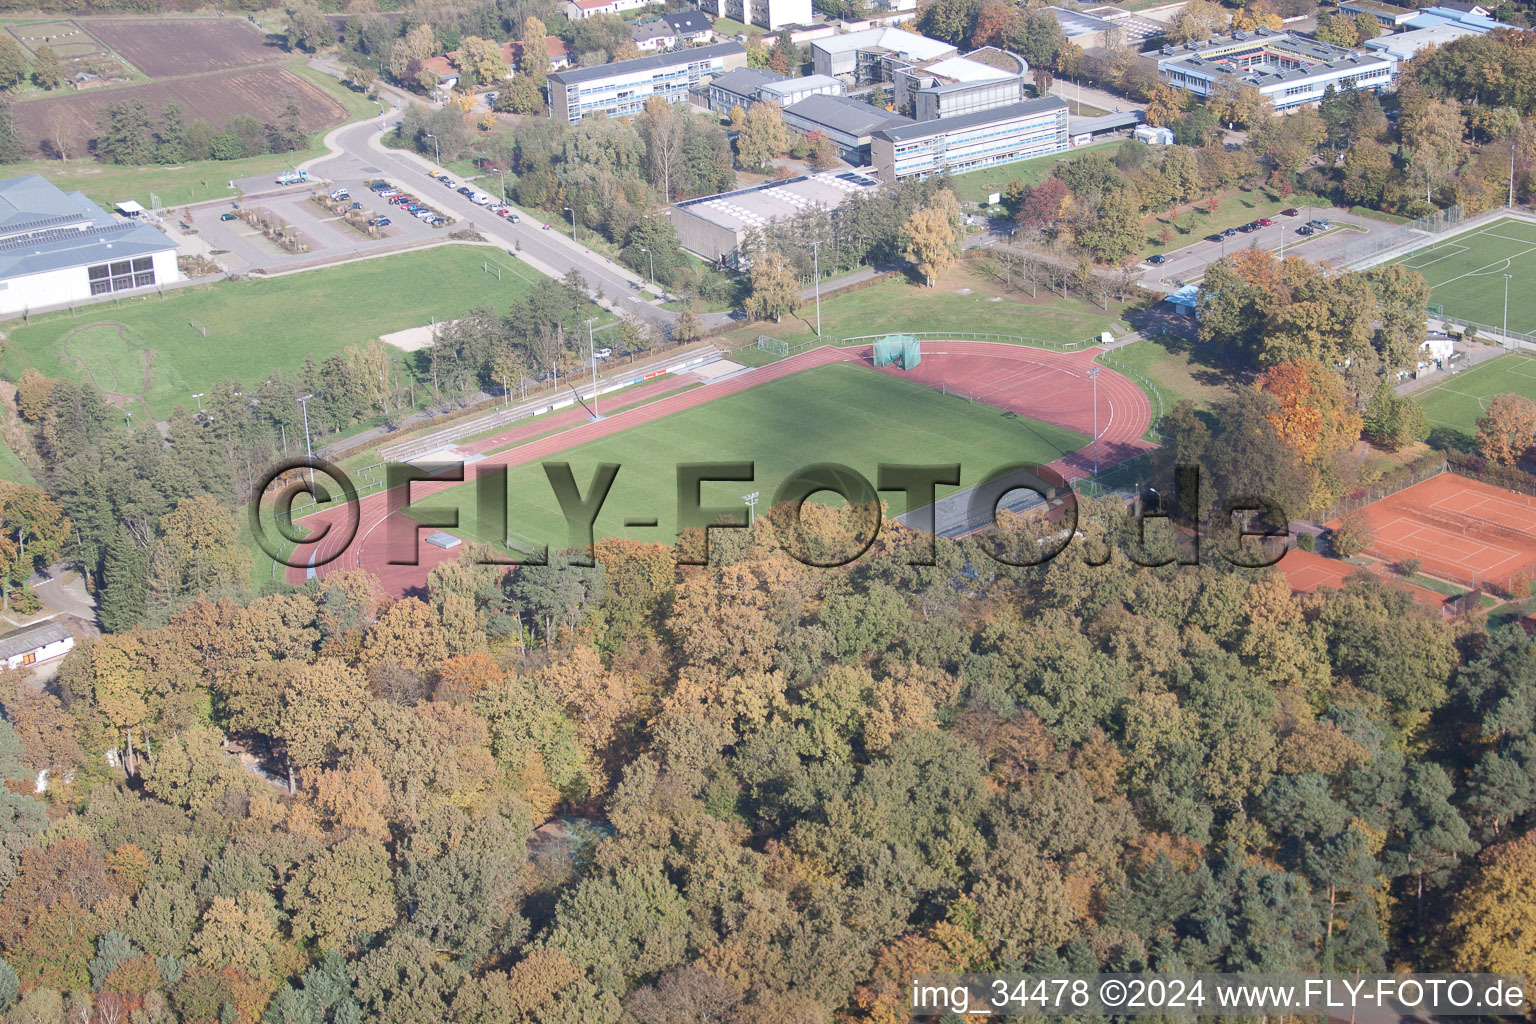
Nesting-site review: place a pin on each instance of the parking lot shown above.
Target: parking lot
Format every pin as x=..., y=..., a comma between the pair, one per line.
x=244, y=247
x=1187, y=265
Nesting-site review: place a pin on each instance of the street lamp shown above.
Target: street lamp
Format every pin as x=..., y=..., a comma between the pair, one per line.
x=751, y=500
x=1093, y=375
x=503, y=172
x=1506, y=309
x=308, y=451
x=573, y=221
x=436, y=151
x=653, y=264
x=816, y=272
x=592, y=348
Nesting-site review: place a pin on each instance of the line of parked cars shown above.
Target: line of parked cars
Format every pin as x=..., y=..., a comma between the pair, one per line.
x=406, y=202
x=478, y=198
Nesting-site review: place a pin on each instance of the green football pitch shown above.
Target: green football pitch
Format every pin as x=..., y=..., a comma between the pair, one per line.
x=1466, y=273
x=1459, y=400
x=840, y=413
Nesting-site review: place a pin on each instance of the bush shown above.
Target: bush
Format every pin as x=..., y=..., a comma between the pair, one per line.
x=1409, y=567
x=1353, y=535
x=1306, y=541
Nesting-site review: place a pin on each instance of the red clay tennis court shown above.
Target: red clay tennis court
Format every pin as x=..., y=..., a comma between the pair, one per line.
x=1461, y=530
x=1306, y=571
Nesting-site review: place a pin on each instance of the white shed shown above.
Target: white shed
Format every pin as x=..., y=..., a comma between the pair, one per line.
x=35, y=643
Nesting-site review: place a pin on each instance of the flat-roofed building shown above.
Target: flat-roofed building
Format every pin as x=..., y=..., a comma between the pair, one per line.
x=979, y=80
x=953, y=145
x=1290, y=70
x=793, y=90
x=866, y=56
x=59, y=248
x=715, y=226
x=1403, y=46
x=1390, y=15
x=621, y=89
x=847, y=122
x=739, y=88
x=768, y=14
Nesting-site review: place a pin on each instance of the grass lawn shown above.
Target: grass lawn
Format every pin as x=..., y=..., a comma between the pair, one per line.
x=1236, y=209
x=727, y=27
x=899, y=305
x=976, y=185
x=847, y=414
x=1170, y=367
x=180, y=184
x=12, y=468
x=146, y=349
x=1466, y=273
x=1459, y=400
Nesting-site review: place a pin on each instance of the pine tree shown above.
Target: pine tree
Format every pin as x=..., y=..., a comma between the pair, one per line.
x=124, y=584
x=11, y=148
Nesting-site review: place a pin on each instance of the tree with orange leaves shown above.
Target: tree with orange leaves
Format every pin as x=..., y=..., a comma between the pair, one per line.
x=1508, y=430
x=1316, y=418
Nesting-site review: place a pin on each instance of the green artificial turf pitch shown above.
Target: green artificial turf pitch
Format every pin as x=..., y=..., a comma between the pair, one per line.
x=1466, y=273
x=1459, y=400
x=841, y=413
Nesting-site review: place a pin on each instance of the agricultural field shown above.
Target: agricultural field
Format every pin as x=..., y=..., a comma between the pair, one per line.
x=862, y=416
x=69, y=122
x=149, y=358
x=77, y=48
x=171, y=47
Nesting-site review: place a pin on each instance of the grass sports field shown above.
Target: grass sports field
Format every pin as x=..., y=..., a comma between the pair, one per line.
x=1466, y=273
x=840, y=413
x=1457, y=402
x=147, y=351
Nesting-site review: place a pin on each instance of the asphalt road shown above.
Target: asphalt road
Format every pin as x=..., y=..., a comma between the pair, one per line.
x=1188, y=264
x=362, y=155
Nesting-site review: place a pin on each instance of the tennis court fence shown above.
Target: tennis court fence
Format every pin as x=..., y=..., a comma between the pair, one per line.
x=1389, y=244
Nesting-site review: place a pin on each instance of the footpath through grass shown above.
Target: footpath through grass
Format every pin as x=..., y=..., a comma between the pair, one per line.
x=147, y=350
x=1459, y=400
x=841, y=413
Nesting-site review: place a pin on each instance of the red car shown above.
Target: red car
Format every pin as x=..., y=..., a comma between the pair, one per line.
x=1290, y=213
x=1265, y=222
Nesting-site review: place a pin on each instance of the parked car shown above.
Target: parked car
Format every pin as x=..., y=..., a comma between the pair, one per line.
x=1265, y=222
x=379, y=186
x=1304, y=230
x=340, y=195
x=1290, y=213
x=1157, y=260
x=1319, y=224
x=1213, y=238
x=482, y=200
x=465, y=190
x=1250, y=227
x=438, y=222
x=226, y=215
x=448, y=182
x=1229, y=233
x=603, y=353
x=356, y=205
x=382, y=222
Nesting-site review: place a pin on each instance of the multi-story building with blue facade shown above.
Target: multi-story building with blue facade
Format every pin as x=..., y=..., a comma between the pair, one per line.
x=621, y=89
x=953, y=145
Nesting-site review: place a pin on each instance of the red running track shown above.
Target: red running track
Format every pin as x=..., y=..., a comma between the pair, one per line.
x=1049, y=386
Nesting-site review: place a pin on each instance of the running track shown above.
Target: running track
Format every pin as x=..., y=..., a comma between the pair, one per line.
x=1049, y=386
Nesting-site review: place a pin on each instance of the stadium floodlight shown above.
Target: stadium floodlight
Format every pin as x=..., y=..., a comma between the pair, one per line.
x=1506, y=310
x=1093, y=375
x=592, y=348
x=751, y=500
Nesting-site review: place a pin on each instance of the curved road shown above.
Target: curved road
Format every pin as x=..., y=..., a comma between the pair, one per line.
x=1050, y=386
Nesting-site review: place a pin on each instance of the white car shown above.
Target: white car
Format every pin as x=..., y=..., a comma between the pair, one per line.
x=604, y=353
x=482, y=200
x=426, y=215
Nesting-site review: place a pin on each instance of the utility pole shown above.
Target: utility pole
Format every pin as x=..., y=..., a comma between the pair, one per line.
x=1093, y=375
x=592, y=348
x=1506, y=310
x=436, y=150
x=573, y=222
x=816, y=272
x=751, y=500
x=652, y=258
x=308, y=451
x=1511, y=202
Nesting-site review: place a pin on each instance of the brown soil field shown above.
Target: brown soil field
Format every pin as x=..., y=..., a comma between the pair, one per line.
x=166, y=47
x=262, y=92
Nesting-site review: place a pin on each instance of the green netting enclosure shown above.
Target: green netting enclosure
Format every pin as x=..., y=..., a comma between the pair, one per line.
x=901, y=350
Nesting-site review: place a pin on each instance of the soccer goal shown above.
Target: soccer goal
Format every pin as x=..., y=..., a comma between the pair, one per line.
x=901, y=350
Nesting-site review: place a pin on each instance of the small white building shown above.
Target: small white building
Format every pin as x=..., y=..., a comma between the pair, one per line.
x=578, y=10
x=58, y=248
x=39, y=642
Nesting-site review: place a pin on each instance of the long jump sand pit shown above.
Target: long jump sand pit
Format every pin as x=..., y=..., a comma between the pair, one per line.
x=1459, y=529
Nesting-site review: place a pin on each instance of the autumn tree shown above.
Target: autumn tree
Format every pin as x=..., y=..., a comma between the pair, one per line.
x=1504, y=435
x=933, y=235
x=32, y=534
x=481, y=62
x=774, y=293
x=47, y=69
x=1314, y=416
